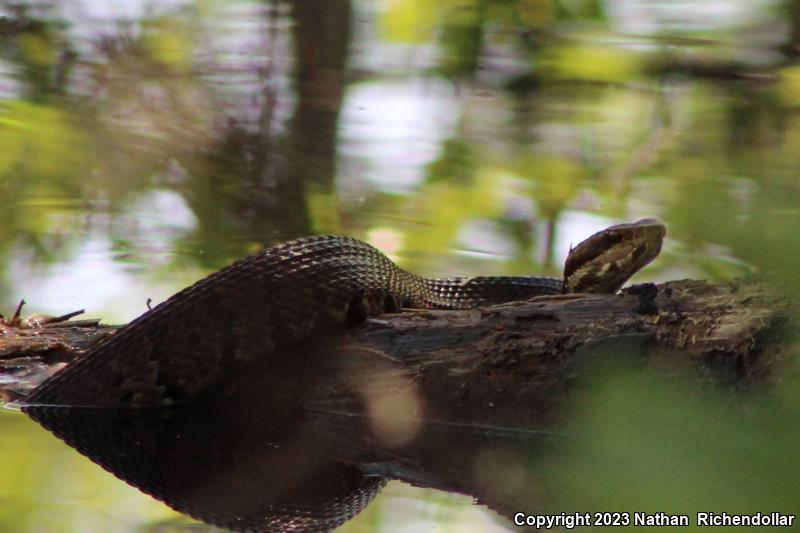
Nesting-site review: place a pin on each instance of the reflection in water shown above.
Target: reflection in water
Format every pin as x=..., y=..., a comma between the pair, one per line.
x=303, y=444
x=394, y=129
x=469, y=136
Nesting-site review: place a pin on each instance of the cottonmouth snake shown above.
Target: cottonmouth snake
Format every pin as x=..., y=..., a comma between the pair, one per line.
x=261, y=306
x=266, y=301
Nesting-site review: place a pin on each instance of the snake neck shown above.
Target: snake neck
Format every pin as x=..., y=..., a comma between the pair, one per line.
x=469, y=292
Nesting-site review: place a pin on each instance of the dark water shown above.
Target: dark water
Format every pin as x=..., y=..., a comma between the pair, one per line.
x=145, y=144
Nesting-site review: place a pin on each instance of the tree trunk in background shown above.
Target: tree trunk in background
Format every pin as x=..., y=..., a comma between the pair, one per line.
x=322, y=39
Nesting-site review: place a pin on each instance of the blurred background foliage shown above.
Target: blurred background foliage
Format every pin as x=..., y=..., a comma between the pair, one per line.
x=145, y=143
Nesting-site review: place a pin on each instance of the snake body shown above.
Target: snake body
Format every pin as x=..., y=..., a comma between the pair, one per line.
x=257, y=306
x=280, y=296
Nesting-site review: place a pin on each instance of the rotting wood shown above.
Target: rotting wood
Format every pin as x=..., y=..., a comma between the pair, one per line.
x=33, y=350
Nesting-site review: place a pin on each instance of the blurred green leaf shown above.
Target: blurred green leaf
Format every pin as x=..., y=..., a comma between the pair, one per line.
x=655, y=445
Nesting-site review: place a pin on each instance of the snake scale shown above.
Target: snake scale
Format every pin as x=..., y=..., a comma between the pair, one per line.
x=263, y=305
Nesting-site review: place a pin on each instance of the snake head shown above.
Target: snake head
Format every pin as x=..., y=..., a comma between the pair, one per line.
x=606, y=260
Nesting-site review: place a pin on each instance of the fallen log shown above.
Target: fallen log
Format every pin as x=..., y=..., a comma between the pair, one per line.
x=443, y=399
x=721, y=329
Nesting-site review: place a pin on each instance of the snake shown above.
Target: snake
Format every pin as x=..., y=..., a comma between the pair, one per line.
x=259, y=308
x=280, y=296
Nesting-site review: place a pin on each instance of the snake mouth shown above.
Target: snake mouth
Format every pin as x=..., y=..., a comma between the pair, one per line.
x=653, y=233
x=654, y=228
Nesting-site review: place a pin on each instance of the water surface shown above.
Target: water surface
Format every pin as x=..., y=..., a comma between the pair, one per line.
x=145, y=144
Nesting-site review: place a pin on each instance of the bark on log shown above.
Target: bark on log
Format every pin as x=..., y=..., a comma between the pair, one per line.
x=527, y=353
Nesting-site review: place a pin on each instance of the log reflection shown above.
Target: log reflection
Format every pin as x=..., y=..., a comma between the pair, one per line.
x=303, y=443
